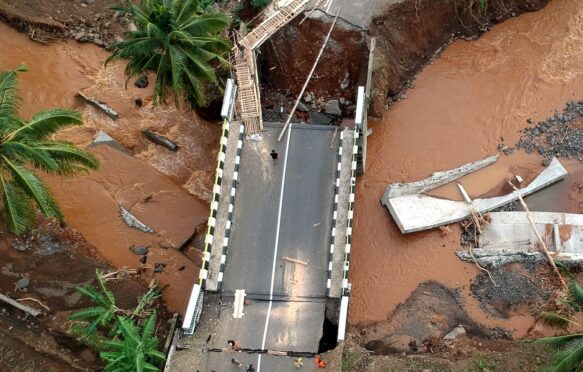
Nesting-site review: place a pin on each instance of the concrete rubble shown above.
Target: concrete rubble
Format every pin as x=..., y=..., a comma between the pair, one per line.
x=417, y=212
x=436, y=179
x=509, y=238
x=132, y=221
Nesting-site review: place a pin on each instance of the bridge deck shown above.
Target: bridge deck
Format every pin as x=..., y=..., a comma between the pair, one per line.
x=283, y=209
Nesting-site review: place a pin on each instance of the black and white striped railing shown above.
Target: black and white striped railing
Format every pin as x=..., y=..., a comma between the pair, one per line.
x=334, y=214
x=234, y=185
x=212, y=220
x=349, y=217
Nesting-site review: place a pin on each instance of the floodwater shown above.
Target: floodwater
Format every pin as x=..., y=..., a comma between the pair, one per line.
x=475, y=96
x=91, y=202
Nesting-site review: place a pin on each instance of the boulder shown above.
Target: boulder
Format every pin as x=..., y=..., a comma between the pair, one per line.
x=333, y=108
x=301, y=107
x=23, y=283
x=142, y=82
x=80, y=36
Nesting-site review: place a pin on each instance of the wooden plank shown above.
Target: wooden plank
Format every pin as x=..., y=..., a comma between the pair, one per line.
x=27, y=309
x=294, y=260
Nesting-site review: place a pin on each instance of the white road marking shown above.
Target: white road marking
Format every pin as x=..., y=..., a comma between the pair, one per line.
x=275, y=248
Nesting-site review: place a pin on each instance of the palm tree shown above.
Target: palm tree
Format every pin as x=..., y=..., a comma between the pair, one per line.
x=177, y=40
x=27, y=143
x=137, y=348
x=569, y=355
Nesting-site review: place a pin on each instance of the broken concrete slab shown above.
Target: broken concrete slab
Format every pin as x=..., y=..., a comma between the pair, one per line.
x=455, y=333
x=132, y=221
x=421, y=212
x=509, y=238
x=102, y=138
x=436, y=179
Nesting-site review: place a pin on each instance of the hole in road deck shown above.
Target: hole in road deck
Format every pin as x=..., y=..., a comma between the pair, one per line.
x=329, y=336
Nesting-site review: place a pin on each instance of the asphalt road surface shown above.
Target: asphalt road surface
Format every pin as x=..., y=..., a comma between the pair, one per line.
x=283, y=209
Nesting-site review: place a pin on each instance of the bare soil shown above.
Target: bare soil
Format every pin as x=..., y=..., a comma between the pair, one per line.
x=47, y=257
x=463, y=354
x=48, y=20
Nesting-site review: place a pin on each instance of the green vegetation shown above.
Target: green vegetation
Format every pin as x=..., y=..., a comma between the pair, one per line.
x=124, y=338
x=483, y=364
x=178, y=40
x=569, y=355
x=27, y=143
x=135, y=349
x=260, y=4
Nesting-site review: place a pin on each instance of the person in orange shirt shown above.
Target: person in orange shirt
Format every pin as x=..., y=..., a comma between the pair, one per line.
x=319, y=362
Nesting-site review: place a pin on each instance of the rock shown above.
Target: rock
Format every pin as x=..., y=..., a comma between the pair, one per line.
x=132, y=27
x=332, y=108
x=342, y=101
x=123, y=20
x=346, y=82
x=87, y=1
x=98, y=41
x=142, y=82
x=301, y=107
x=107, y=24
x=80, y=36
x=159, y=267
x=23, y=283
x=397, y=344
x=308, y=98
x=141, y=250
x=455, y=333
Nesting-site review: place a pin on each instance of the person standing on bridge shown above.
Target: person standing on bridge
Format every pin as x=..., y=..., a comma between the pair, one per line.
x=233, y=344
x=237, y=363
x=274, y=156
x=298, y=363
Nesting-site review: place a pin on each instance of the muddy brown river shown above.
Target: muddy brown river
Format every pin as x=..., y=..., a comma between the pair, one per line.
x=91, y=202
x=475, y=96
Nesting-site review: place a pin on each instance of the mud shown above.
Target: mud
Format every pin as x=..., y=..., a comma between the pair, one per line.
x=288, y=56
x=429, y=313
x=52, y=20
x=462, y=106
x=43, y=257
x=91, y=204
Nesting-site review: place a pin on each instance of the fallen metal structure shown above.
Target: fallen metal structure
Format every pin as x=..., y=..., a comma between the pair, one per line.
x=509, y=238
x=417, y=212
